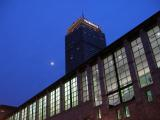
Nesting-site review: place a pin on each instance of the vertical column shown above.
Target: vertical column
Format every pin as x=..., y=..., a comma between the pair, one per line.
x=151, y=61
x=48, y=105
x=133, y=73
x=28, y=112
x=105, y=106
x=62, y=98
x=79, y=85
x=89, y=74
x=37, y=108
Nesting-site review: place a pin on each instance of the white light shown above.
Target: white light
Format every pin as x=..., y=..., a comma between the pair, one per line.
x=91, y=23
x=52, y=63
x=158, y=34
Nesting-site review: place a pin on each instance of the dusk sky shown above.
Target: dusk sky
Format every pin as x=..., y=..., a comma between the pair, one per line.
x=32, y=36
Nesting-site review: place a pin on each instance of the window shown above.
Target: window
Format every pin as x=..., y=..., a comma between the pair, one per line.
x=96, y=85
x=149, y=96
x=32, y=111
x=67, y=95
x=122, y=68
x=154, y=38
x=141, y=63
x=17, y=116
x=55, y=102
x=110, y=75
x=85, y=93
x=24, y=114
x=119, y=114
x=71, y=93
x=127, y=93
x=42, y=108
x=114, y=99
x=74, y=92
x=125, y=111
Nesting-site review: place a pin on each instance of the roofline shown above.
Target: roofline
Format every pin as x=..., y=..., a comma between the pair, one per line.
x=128, y=36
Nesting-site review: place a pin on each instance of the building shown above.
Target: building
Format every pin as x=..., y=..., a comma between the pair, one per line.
x=6, y=110
x=83, y=40
x=121, y=82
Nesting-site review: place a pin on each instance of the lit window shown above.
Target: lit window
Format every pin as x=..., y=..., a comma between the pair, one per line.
x=119, y=114
x=32, y=111
x=96, y=85
x=17, y=116
x=71, y=93
x=114, y=99
x=127, y=94
x=110, y=75
x=74, y=91
x=55, y=102
x=85, y=86
x=141, y=63
x=126, y=111
x=24, y=114
x=154, y=38
x=42, y=108
x=149, y=96
x=67, y=95
x=122, y=68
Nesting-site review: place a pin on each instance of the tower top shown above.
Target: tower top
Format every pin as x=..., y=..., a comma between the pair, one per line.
x=84, y=21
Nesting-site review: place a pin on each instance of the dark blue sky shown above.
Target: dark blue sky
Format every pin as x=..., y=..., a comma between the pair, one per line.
x=32, y=35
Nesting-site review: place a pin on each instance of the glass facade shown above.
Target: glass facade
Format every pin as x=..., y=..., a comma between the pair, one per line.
x=141, y=63
x=85, y=94
x=67, y=92
x=154, y=38
x=96, y=85
x=55, y=102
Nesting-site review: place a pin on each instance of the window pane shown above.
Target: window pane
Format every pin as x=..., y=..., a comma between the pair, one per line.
x=122, y=68
x=110, y=75
x=141, y=63
x=96, y=85
x=154, y=37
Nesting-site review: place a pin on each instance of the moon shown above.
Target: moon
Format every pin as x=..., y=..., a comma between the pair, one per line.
x=52, y=63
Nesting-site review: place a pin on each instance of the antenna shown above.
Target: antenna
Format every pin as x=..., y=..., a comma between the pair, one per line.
x=83, y=14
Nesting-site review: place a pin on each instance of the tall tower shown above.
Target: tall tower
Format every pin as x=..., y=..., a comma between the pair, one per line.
x=83, y=40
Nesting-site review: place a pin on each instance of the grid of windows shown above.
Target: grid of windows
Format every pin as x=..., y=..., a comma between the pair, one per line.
x=122, y=68
x=110, y=75
x=71, y=93
x=96, y=85
x=141, y=63
x=67, y=95
x=74, y=92
x=55, y=102
x=118, y=82
x=154, y=38
x=42, y=108
x=85, y=94
x=32, y=111
x=24, y=114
